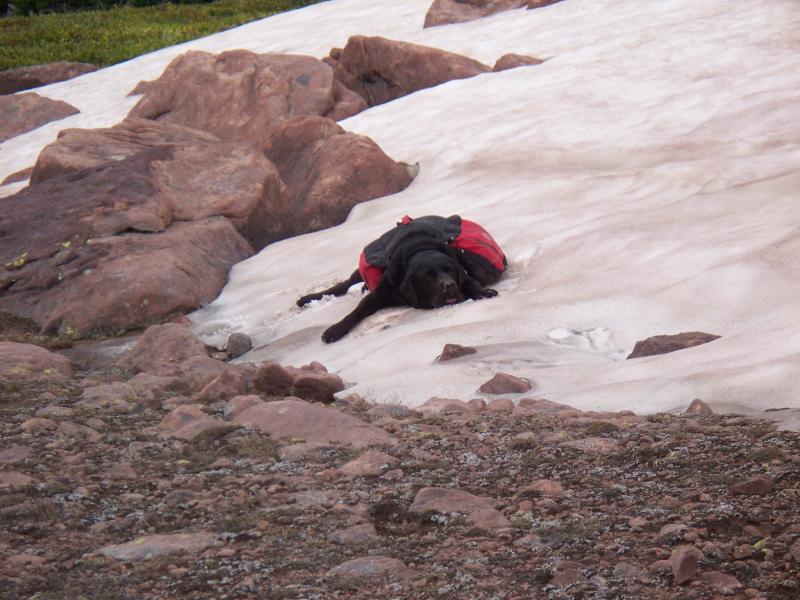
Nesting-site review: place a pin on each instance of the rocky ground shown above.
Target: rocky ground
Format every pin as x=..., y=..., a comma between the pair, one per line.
x=153, y=477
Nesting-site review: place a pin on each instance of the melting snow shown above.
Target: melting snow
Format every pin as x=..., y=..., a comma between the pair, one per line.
x=644, y=180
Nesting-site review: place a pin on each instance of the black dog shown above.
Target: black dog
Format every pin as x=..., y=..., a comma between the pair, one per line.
x=419, y=264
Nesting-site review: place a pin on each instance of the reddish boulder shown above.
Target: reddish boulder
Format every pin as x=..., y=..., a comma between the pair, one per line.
x=444, y=12
x=26, y=361
x=664, y=344
x=316, y=387
x=25, y=78
x=273, y=379
x=187, y=422
x=380, y=70
x=311, y=422
x=370, y=464
x=151, y=546
x=683, y=561
x=238, y=345
x=241, y=96
x=327, y=171
x=512, y=61
x=174, y=174
x=20, y=113
x=160, y=349
x=125, y=281
x=503, y=383
x=449, y=500
x=698, y=407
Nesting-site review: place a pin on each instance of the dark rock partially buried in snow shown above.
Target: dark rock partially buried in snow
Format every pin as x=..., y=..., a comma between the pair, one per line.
x=380, y=70
x=327, y=171
x=451, y=351
x=503, y=383
x=664, y=344
x=21, y=113
x=512, y=61
x=238, y=345
x=242, y=96
x=444, y=12
x=25, y=78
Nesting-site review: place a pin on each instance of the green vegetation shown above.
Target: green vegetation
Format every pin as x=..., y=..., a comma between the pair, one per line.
x=106, y=37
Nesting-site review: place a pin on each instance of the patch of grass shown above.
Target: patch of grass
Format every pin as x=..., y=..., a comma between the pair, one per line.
x=106, y=37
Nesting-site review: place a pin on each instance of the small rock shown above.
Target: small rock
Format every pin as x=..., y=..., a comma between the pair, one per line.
x=743, y=551
x=370, y=568
x=592, y=444
x=120, y=471
x=488, y=518
x=159, y=545
x=187, y=422
x=371, y=463
x=721, y=582
x=357, y=534
x=316, y=387
x=664, y=344
x=238, y=344
x=503, y=383
x=227, y=385
x=14, y=480
x=54, y=411
x=512, y=61
x=15, y=454
x=700, y=408
x=693, y=426
x=396, y=411
x=501, y=405
x=683, y=561
x=545, y=487
x=304, y=452
x=445, y=406
x=23, y=562
x=273, y=379
x=757, y=486
x=542, y=407
x=451, y=351
x=38, y=425
x=160, y=349
x=449, y=500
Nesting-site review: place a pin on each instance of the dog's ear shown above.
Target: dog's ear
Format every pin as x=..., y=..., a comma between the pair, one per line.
x=407, y=291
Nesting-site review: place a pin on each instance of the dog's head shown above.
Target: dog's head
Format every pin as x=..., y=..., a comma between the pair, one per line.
x=431, y=279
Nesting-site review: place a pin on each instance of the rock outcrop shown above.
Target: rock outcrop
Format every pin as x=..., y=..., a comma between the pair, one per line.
x=25, y=78
x=380, y=70
x=20, y=113
x=327, y=171
x=242, y=96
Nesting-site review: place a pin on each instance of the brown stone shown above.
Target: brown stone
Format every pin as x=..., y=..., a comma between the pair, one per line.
x=545, y=487
x=357, y=534
x=445, y=406
x=160, y=349
x=312, y=423
x=151, y=546
x=187, y=422
x=327, y=171
x=242, y=96
x=757, y=486
x=273, y=379
x=542, y=406
x=721, y=582
x=683, y=561
x=20, y=113
x=316, y=387
x=700, y=408
x=451, y=351
x=370, y=464
x=381, y=70
x=664, y=344
x=25, y=78
x=238, y=345
x=488, y=518
x=29, y=362
x=503, y=383
x=18, y=176
x=14, y=480
x=592, y=444
x=370, y=568
x=512, y=61
x=449, y=500
x=227, y=385
x=501, y=405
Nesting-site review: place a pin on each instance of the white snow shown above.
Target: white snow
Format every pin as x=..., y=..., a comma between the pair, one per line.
x=644, y=180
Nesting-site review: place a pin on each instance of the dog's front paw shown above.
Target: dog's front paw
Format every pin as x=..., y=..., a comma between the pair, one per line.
x=302, y=301
x=489, y=293
x=334, y=333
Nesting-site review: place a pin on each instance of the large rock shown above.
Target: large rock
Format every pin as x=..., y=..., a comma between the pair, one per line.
x=449, y=500
x=664, y=344
x=186, y=423
x=444, y=12
x=26, y=361
x=380, y=70
x=25, y=78
x=239, y=95
x=119, y=282
x=327, y=171
x=21, y=113
x=160, y=349
x=311, y=422
x=182, y=174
